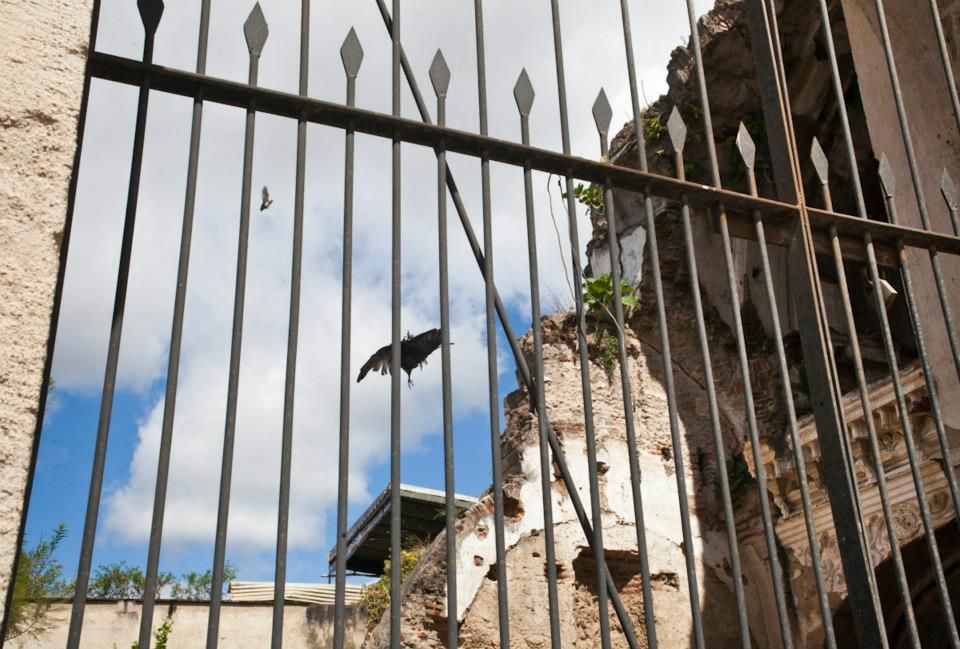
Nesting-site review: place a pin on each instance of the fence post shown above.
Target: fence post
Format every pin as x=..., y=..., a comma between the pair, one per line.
x=814, y=335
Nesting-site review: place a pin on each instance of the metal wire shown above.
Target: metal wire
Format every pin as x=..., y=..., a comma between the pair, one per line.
x=396, y=296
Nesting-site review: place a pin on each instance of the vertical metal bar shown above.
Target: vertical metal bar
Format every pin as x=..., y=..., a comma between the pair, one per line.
x=934, y=259
x=930, y=531
x=903, y=589
x=582, y=345
x=352, y=55
x=176, y=338
x=522, y=368
x=293, y=330
x=752, y=427
x=54, y=316
x=255, y=31
x=888, y=184
x=150, y=13
x=602, y=115
x=748, y=151
x=678, y=134
x=523, y=93
x=492, y=375
x=440, y=76
x=395, y=299
x=945, y=60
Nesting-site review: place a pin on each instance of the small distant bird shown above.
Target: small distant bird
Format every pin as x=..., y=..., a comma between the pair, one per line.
x=265, y=200
x=414, y=351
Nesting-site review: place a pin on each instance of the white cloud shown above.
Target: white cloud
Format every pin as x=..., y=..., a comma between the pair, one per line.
x=516, y=36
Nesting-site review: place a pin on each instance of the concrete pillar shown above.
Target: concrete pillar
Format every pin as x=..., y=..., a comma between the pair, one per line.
x=43, y=50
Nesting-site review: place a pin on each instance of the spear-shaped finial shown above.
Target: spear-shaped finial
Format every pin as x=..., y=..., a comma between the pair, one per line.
x=677, y=130
x=255, y=30
x=888, y=179
x=748, y=150
x=602, y=113
x=439, y=74
x=351, y=53
x=150, y=13
x=523, y=93
x=949, y=191
x=819, y=160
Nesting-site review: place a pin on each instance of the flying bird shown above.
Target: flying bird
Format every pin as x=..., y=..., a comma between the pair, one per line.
x=265, y=200
x=414, y=351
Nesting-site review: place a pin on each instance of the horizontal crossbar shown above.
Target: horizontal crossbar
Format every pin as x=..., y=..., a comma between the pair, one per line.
x=778, y=217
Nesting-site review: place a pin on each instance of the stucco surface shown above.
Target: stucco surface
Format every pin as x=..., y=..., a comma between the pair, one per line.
x=116, y=624
x=42, y=54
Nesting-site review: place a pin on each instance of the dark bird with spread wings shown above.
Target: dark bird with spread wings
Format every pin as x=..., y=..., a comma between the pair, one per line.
x=265, y=200
x=413, y=353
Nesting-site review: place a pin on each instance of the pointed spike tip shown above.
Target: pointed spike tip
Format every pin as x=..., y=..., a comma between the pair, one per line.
x=351, y=53
x=602, y=113
x=677, y=130
x=439, y=74
x=150, y=13
x=819, y=160
x=255, y=30
x=523, y=93
x=748, y=150
x=949, y=190
x=888, y=179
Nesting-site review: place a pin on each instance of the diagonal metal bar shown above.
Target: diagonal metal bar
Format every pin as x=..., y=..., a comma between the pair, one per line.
x=150, y=13
x=945, y=60
x=176, y=338
x=255, y=30
x=555, y=447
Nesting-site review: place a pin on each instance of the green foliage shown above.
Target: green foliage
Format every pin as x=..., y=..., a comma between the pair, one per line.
x=38, y=580
x=120, y=581
x=589, y=196
x=608, y=348
x=160, y=635
x=376, y=596
x=653, y=127
x=739, y=476
x=598, y=296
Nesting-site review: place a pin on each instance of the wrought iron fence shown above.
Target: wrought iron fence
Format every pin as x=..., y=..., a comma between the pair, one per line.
x=788, y=220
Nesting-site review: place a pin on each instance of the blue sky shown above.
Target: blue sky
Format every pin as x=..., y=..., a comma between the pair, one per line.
x=518, y=36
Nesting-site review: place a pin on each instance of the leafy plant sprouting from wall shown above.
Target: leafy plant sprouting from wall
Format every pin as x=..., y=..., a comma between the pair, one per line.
x=376, y=596
x=161, y=635
x=598, y=298
x=590, y=196
x=38, y=581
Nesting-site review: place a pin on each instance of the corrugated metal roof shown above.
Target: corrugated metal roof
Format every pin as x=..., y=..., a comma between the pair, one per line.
x=421, y=515
x=262, y=591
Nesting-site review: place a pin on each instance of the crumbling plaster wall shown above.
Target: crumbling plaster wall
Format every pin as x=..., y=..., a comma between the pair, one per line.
x=43, y=46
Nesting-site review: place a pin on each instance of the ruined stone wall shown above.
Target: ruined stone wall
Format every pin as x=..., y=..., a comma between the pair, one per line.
x=43, y=46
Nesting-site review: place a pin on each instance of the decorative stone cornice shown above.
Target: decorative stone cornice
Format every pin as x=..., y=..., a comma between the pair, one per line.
x=783, y=483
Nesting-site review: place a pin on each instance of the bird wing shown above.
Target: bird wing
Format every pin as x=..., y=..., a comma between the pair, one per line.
x=379, y=361
x=265, y=194
x=422, y=345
